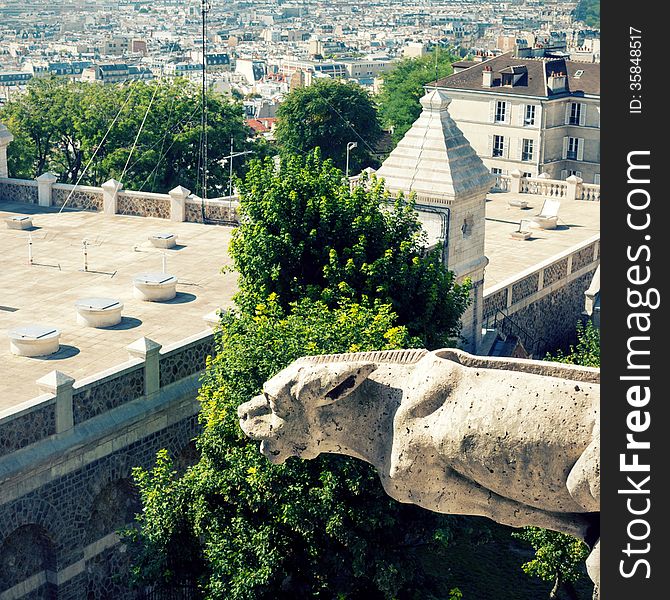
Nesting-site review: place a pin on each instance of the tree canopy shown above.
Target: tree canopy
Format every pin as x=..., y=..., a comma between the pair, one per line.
x=306, y=233
x=404, y=85
x=329, y=114
x=315, y=260
x=62, y=125
x=589, y=12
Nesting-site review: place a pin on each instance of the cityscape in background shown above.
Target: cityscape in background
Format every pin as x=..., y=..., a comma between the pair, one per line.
x=262, y=48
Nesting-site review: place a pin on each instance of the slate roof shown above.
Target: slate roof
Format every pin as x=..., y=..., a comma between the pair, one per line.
x=532, y=84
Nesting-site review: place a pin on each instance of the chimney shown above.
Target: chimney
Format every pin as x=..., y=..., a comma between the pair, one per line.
x=557, y=82
x=487, y=77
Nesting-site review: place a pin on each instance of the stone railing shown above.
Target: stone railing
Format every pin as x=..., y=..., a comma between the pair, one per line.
x=18, y=190
x=526, y=287
x=67, y=403
x=179, y=205
x=502, y=183
x=551, y=188
x=590, y=192
x=82, y=197
x=573, y=188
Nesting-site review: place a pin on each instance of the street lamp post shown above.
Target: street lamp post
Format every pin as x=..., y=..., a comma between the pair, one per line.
x=350, y=147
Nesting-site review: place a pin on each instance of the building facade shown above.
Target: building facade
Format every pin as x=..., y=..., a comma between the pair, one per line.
x=539, y=115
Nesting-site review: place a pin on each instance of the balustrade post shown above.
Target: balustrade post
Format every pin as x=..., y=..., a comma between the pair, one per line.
x=574, y=191
x=515, y=184
x=148, y=351
x=45, y=184
x=110, y=194
x=60, y=385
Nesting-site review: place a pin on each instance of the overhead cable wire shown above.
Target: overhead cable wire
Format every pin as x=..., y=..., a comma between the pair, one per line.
x=116, y=118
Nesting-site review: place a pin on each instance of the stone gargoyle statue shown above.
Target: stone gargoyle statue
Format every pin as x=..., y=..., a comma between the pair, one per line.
x=517, y=441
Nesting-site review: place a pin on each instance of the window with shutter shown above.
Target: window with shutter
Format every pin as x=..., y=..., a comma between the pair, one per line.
x=492, y=111
x=582, y=114
x=580, y=148
x=489, y=147
x=566, y=141
x=568, y=108
x=498, y=146
x=519, y=149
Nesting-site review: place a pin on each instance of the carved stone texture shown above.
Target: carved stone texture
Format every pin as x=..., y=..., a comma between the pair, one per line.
x=583, y=258
x=525, y=287
x=147, y=206
x=15, y=192
x=556, y=272
x=90, y=402
x=516, y=441
x=28, y=428
x=495, y=302
x=185, y=361
x=83, y=200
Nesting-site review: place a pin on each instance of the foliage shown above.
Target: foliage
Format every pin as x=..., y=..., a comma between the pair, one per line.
x=329, y=114
x=404, y=86
x=589, y=12
x=60, y=126
x=558, y=558
x=305, y=233
x=306, y=529
x=587, y=350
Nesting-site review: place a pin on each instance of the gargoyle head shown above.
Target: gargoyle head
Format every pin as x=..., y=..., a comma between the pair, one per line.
x=286, y=416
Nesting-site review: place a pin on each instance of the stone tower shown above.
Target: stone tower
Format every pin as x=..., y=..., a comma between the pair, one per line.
x=437, y=163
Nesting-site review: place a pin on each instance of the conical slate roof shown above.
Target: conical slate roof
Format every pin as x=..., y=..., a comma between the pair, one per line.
x=434, y=159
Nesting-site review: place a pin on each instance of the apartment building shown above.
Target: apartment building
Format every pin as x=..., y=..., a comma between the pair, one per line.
x=537, y=115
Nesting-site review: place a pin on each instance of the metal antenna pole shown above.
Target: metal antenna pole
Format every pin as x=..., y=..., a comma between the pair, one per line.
x=204, y=9
x=230, y=171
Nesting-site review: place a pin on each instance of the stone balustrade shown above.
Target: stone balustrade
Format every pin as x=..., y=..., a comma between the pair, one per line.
x=179, y=205
x=67, y=403
x=573, y=188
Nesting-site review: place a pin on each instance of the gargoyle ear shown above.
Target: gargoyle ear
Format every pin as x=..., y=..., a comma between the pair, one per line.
x=337, y=381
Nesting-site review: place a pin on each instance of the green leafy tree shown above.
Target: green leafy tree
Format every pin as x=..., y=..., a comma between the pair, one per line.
x=587, y=350
x=305, y=233
x=239, y=526
x=86, y=132
x=559, y=558
x=404, y=85
x=589, y=12
x=245, y=528
x=328, y=115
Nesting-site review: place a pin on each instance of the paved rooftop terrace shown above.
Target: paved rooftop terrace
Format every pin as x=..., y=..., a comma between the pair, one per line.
x=119, y=249
x=578, y=220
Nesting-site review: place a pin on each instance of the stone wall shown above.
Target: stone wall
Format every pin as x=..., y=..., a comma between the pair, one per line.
x=66, y=490
x=83, y=198
x=551, y=320
x=143, y=205
x=26, y=427
x=103, y=395
x=18, y=190
x=128, y=202
x=74, y=518
x=223, y=211
x=542, y=304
